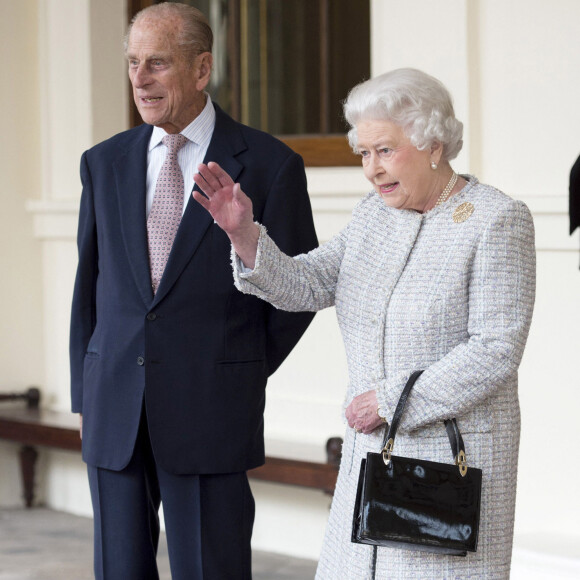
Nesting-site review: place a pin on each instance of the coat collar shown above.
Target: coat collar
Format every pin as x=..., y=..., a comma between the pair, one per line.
x=130, y=170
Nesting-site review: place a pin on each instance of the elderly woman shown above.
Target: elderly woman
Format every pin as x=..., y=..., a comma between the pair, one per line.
x=435, y=271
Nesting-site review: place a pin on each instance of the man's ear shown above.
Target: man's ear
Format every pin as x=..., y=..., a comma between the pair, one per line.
x=203, y=64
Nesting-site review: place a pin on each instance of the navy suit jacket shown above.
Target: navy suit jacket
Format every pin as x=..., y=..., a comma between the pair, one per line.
x=199, y=352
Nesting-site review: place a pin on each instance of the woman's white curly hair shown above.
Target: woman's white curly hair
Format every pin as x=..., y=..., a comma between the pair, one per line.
x=412, y=99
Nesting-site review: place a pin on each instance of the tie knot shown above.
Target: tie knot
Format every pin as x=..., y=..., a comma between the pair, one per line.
x=174, y=142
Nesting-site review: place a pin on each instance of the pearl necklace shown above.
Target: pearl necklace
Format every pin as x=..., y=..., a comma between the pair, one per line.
x=448, y=189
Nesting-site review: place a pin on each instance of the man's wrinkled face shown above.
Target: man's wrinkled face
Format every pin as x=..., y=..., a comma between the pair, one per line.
x=167, y=86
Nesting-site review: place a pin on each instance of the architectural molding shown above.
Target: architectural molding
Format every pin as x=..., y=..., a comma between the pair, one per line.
x=56, y=219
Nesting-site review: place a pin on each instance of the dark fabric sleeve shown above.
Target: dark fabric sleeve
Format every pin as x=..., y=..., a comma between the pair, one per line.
x=575, y=196
x=83, y=315
x=288, y=218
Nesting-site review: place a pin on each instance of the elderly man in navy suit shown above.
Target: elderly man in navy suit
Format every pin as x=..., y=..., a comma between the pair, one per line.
x=169, y=361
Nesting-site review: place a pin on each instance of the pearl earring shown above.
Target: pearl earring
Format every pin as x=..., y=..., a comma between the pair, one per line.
x=433, y=165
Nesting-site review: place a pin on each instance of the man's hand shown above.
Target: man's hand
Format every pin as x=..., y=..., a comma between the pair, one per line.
x=362, y=413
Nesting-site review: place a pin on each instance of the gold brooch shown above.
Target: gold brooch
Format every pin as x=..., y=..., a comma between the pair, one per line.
x=463, y=212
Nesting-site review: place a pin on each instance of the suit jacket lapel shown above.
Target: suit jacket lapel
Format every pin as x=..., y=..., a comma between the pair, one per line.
x=130, y=171
x=225, y=144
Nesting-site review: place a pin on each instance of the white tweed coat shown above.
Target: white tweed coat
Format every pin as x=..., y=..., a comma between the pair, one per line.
x=422, y=291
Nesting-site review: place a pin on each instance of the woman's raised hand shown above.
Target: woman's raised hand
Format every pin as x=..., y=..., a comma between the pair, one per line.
x=231, y=209
x=229, y=206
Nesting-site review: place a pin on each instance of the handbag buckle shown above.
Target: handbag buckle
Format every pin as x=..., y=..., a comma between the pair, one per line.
x=461, y=462
x=388, y=449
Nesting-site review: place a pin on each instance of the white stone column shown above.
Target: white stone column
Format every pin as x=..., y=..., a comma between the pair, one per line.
x=83, y=100
x=22, y=353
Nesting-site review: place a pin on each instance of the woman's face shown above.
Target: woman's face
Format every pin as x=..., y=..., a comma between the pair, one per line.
x=399, y=172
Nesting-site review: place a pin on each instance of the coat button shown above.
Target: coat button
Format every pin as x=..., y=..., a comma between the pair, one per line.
x=151, y=316
x=140, y=361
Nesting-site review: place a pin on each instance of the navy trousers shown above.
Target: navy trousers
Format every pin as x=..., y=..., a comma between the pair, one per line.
x=208, y=521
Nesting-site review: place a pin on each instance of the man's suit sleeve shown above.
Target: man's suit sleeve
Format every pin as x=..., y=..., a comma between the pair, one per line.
x=83, y=315
x=288, y=218
x=575, y=196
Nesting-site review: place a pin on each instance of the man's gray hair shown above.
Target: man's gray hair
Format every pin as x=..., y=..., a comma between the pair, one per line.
x=412, y=99
x=194, y=36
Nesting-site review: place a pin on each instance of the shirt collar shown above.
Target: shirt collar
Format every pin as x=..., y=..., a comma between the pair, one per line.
x=199, y=131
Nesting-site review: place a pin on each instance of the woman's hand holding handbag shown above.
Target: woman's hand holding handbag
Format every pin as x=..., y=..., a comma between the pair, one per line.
x=416, y=504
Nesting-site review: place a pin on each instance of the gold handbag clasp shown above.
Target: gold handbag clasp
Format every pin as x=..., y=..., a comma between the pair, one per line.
x=387, y=450
x=461, y=462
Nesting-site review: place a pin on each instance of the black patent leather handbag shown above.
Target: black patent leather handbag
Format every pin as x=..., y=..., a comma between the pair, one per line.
x=414, y=504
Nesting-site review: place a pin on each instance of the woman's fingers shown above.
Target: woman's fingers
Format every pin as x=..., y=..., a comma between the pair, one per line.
x=206, y=180
x=362, y=414
x=212, y=178
x=230, y=208
x=201, y=199
x=218, y=173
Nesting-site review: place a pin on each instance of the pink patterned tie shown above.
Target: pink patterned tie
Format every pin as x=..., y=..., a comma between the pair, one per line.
x=166, y=209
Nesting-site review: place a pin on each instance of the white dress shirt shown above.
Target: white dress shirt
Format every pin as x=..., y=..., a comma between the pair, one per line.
x=198, y=133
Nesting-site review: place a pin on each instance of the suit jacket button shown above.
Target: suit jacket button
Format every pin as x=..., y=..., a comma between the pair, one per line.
x=140, y=361
x=151, y=316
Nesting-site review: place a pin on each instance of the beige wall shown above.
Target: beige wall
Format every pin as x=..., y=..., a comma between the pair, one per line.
x=22, y=352
x=511, y=67
x=21, y=355
x=63, y=89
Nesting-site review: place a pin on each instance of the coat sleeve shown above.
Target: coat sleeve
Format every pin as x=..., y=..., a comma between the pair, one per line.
x=501, y=297
x=288, y=216
x=83, y=315
x=304, y=283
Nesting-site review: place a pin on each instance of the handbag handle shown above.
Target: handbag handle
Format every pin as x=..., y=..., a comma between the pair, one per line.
x=457, y=445
x=455, y=438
